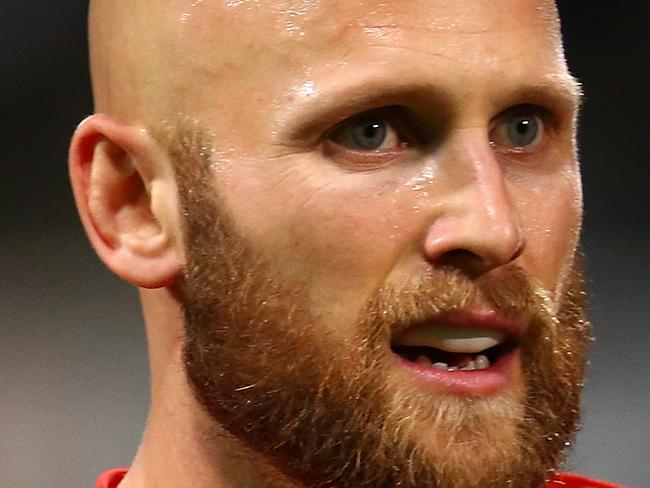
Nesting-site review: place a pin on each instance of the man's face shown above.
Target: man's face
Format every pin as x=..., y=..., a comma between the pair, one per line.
x=382, y=211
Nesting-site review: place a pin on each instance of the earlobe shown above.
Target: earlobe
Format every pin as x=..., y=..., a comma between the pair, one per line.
x=116, y=172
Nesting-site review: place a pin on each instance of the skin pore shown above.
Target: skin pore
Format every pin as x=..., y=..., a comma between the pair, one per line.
x=278, y=257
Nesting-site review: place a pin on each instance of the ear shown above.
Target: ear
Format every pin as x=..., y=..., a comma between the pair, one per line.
x=125, y=191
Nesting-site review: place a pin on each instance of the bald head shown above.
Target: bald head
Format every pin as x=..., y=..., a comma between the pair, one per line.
x=155, y=56
x=348, y=152
x=127, y=50
x=157, y=59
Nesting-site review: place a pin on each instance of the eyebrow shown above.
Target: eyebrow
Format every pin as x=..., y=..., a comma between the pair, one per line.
x=561, y=90
x=334, y=104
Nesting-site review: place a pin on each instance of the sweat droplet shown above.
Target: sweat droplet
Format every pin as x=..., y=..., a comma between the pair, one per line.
x=421, y=181
x=307, y=89
x=187, y=16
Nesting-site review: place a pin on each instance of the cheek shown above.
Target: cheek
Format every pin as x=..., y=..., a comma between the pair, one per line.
x=551, y=216
x=349, y=242
x=341, y=237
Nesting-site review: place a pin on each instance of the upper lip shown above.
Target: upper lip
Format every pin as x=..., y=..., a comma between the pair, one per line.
x=512, y=327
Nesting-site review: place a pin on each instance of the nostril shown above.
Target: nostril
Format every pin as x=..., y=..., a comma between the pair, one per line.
x=471, y=245
x=464, y=260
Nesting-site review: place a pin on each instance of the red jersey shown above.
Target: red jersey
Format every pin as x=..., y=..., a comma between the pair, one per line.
x=111, y=479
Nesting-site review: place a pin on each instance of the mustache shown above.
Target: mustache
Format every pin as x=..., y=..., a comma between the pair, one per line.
x=511, y=292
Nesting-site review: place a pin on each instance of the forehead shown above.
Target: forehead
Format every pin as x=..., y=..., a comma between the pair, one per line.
x=276, y=49
x=326, y=20
x=309, y=26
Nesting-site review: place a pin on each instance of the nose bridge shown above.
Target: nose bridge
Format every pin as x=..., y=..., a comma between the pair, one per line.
x=493, y=209
x=480, y=217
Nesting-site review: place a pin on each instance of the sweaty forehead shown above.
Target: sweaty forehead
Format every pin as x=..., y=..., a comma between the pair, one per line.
x=184, y=54
x=249, y=40
x=317, y=19
x=294, y=29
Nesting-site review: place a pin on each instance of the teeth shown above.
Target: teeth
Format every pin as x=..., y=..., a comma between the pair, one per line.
x=453, y=339
x=471, y=366
x=423, y=360
x=482, y=361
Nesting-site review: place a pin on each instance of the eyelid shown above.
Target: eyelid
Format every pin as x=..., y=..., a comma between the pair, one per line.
x=548, y=117
x=396, y=116
x=306, y=122
x=362, y=161
x=369, y=160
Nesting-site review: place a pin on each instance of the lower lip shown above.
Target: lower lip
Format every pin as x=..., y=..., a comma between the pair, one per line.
x=478, y=382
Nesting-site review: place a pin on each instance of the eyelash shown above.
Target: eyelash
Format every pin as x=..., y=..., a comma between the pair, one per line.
x=406, y=128
x=548, y=125
x=394, y=117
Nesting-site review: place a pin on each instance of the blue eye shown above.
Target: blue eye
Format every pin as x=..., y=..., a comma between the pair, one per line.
x=519, y=132
x=367, y=133
x=524, y=130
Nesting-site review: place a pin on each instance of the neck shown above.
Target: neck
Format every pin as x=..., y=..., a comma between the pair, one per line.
x=183, y=446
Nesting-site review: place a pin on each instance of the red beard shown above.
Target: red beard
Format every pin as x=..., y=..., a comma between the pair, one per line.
x=325, y=412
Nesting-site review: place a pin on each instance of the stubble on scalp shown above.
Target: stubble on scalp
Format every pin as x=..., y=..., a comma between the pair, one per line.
x=325, y=413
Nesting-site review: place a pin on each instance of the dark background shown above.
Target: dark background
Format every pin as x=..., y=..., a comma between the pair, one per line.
x=73, y=370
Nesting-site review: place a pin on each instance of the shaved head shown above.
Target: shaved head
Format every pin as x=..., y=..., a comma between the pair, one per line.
x=130, y=59
x=368, y=215
x=158, y=59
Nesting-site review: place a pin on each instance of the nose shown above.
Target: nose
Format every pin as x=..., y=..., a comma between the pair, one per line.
x=478, y=228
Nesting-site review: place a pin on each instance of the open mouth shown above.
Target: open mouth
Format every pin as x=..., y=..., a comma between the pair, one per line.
x=454, y=361
x=465, y=353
